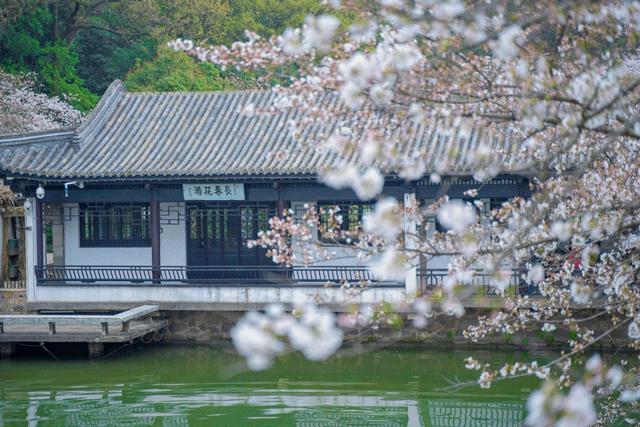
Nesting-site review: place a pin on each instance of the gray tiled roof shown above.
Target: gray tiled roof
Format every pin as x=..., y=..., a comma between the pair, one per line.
x=189, y=135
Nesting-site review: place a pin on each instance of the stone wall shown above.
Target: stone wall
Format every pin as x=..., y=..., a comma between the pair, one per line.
x=211, y=326
x=201, y=326
x=12, y=301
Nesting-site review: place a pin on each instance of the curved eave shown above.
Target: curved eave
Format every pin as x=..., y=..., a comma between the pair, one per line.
x=50, y=136
x=138, y=178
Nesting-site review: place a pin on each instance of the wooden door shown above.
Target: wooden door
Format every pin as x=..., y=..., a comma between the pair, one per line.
x=217, y=234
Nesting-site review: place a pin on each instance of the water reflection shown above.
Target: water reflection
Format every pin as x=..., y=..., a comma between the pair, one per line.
x=165, y=387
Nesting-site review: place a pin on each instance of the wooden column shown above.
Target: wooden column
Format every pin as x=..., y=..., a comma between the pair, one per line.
x=155, y=236
x=39, y=235
x=280, y=206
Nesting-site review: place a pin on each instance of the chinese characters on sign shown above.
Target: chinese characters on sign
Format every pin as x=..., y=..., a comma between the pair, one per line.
x=213, y=191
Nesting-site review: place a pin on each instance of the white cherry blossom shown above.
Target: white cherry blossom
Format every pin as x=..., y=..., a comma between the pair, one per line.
x=548, y=327
x=357, y=70
x=369, y=184
x=291, y=41
x=22, y=109
x=457, y=215
x=319, y=31
x=633, y=331
x=506, y=47
x=339, y=178
x=391, y=265
x=496, y=100
x=535, y=274
x=385, y=219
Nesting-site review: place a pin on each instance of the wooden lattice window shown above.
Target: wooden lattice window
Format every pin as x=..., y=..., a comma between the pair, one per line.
x=114, y=225
x=351, y=214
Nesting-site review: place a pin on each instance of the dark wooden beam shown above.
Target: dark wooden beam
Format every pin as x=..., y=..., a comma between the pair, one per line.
x=323, y=193
x=279, y=201
x=486, y=190
x=90, y=195
x=116, y=195
x=309, y=190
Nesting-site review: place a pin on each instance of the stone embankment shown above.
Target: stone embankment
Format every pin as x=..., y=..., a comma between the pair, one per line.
x=212, y=326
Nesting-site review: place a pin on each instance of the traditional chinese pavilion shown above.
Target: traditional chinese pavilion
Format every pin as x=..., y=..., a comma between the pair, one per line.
x=154, y=195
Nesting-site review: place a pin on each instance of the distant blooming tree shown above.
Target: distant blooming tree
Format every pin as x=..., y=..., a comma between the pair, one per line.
x=560, y=81
x=22, y=109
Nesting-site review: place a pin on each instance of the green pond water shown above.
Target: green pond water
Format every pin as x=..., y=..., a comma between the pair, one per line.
x=205, y=386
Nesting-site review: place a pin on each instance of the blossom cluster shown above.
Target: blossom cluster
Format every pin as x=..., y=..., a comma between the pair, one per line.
x=22, y=109
x=260, y=337
x=547, y=91
x=549, y=406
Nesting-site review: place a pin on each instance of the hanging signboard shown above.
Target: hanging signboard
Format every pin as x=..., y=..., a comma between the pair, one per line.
x=213, y=191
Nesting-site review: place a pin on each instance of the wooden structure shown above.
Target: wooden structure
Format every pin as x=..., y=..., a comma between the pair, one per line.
x=79, y=328
x=12, y=254
x=156, y=196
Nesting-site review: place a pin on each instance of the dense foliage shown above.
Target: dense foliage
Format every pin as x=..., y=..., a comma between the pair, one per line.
x=29, y=44
x=175, y=71
x=76, y=48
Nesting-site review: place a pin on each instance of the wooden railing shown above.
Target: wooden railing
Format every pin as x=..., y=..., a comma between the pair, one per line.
x=13, y=285
x=204, y=275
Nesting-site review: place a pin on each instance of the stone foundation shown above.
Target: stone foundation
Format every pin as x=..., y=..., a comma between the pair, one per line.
x=211, y=326
x=201, y=326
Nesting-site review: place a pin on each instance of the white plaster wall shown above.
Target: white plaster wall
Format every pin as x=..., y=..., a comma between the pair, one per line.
x=205, y=294
x=173, y=237
x=75, y=255
x=173, y=246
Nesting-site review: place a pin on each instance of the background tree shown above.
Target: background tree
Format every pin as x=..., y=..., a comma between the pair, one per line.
x=76, y=48
x=29, y=44
x=175, y=71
